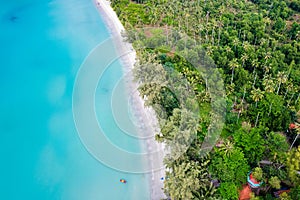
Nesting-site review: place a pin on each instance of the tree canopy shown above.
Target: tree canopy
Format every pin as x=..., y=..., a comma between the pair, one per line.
x=252, y=51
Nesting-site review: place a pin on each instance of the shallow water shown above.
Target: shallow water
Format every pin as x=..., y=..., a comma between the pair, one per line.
x=42, y=45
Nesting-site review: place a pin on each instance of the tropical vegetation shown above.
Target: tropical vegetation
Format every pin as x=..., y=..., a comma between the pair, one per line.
x=246, y=98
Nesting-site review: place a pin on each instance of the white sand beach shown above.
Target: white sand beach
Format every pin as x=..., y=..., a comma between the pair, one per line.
x=146, y=115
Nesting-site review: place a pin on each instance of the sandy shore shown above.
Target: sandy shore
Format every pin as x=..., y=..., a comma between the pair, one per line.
x=146, y=116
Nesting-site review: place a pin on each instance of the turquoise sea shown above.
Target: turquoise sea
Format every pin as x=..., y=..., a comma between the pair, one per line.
x=42, y=45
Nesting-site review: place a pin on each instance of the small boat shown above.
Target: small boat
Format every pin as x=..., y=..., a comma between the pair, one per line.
x=123, y=180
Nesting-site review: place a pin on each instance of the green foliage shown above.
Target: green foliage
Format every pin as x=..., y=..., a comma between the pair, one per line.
x=133, y=13
x=295, y=5
x=271, y=170
x=255, y=45
x=274, y=182
x=268, y=197
x=183, y=180
x=168, y=100
x=295, y=192
x=293, y=165
x=224, y=166
x=285, y=196
x=188, y=180
x=273, y=113
x=228, y=190
x=251, y=143
x=276, y=147
x=258, y=173
x=253, y=197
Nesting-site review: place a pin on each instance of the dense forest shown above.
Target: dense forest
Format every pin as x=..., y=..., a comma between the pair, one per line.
x=249, y=94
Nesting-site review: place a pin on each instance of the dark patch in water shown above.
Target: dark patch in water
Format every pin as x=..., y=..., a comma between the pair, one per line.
x=14, y=14
x=13, y=18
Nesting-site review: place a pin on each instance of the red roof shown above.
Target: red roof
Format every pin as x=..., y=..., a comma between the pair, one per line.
x=253, y=179
x=245, y=193
x=292, y=126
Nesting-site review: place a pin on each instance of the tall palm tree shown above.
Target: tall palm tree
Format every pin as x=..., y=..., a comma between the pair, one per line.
x=268, y=56
x=228, y=50
x=290, y=99
x=269, y=85
x=267, y=68
x=289, y=87
x=270, y=108
x=254, y=80
x=220, y=25
x=297, y=98
x=243, y=95
x=229, y=89
x=209, y=50
x=244, y=58
x=235, y=42
x=267, y=22
x=247, y=46
x=281, y=78
x=257, y=95
x=207, y=17
x=184, y=178
x=254, y=64
x=233, y=64
x=206, y=35
x=262, y=41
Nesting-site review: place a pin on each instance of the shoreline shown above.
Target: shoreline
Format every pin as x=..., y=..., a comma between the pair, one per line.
x=145, y=115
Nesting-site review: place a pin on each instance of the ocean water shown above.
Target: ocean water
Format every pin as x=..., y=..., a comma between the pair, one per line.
x=42, y=46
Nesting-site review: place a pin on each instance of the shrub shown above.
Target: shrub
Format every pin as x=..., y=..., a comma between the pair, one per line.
x=228, y=191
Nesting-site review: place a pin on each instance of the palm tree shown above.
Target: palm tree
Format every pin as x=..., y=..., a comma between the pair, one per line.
x=229, y=89
x=262, y=41
x=268, y=56
x=227, y=147
x=240, y=109
x=270, y=109
x=186, y=177
x=269, y=85
x=247, y=46
x=228, y=50
x=256, y=119
x=206, y=192
x=254, y=79
x=297, y=98
x=207, y=17
x=244, y=59
x=220, y=25
x=209, y=50
x=233, y=64
x=289, y=87
x=243, y=95
x=206, y=36
x=267, y=21
x=254, y=64
x=290, y=99
x=257, y=95
x=281, y=78
x=235, y=42
x=267, y=68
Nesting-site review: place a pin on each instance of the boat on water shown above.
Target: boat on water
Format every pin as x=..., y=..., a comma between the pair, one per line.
x=123, y=180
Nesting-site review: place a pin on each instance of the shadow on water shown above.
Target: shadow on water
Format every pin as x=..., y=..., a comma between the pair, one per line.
x=13, y=15
x=13, y=18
